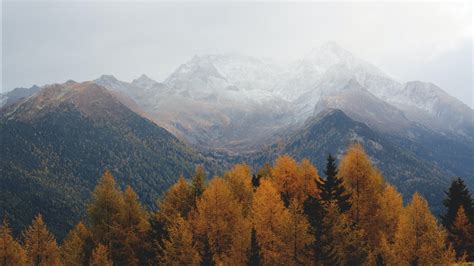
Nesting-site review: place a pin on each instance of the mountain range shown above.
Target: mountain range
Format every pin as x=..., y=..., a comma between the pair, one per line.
x=219, y=109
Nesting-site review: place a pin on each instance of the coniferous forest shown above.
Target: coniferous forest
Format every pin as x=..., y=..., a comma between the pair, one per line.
x=284, y=214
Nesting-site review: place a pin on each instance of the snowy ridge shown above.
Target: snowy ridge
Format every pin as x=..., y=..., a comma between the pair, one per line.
x=209, y=95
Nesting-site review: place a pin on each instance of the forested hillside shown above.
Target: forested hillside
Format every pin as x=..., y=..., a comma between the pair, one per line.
x=285, y=214
x=332, y=131
x=55, y=146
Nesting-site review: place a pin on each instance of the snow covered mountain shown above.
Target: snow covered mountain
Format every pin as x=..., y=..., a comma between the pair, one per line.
x=234, y=101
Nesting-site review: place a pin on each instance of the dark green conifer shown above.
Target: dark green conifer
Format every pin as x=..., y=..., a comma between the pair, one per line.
x=332, y=188
x=254, y=256
x=457, y=195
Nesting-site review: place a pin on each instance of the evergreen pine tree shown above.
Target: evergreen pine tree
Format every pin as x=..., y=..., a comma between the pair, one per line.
x=458, y=195
x=332, y=188
x=315, y=212
x=254, y=256
x=206, y=257
x=256, y=181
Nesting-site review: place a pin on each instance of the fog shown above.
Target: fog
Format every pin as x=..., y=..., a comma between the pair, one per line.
x=47, y=42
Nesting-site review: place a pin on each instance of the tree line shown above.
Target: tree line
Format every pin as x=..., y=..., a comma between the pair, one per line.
x=285, y=214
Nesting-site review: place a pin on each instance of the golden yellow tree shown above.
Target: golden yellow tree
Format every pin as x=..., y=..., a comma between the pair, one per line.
x=131, y=230
x=11, y=252
x=297, y=235
x=177, y=201
x=239, y=181
x=179, y=248
x=342, y=242
x=462, y=236
x=100, y=256
x=73, y=248
x=293, y=180
x=391, y=207
x=309, y=176
x=419, y=238
x=265, y=171
x=219, y=220
x=285, y=177
x=40, y=245
x=362, y=180
x=269, y=216
x=366, y=185
x=105, y=209
x=199, y=181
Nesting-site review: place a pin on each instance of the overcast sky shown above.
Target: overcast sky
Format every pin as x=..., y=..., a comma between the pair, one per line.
x=47, y=42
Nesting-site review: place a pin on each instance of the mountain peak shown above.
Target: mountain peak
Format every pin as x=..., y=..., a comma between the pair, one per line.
x=329, y=50
x=107, y=78
x=143, y=80
x=332, y=46
x=327, y=114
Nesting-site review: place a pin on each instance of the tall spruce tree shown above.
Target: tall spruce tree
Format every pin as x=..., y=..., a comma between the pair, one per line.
x=332, y=188
x=256, y=181
x=457, y=195
x=254, y=256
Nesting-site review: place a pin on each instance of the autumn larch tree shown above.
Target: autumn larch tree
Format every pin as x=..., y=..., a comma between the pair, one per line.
x=388, y=216
x=100, y=256
x=77, y=246
x=131, y=229
x=179, y=248
x=40, y=244
x=293, y=180
x=342, y=242
x=219, y=218
x=264, y=171
x=105, y=209
x=366, y=185
x=11, y=252
x=269, y=216
x=177, y=201
x=457, y=195
x=419, y=240
x=462, y=236
x=239, y=181
x=199, y=181
x=297, y=235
